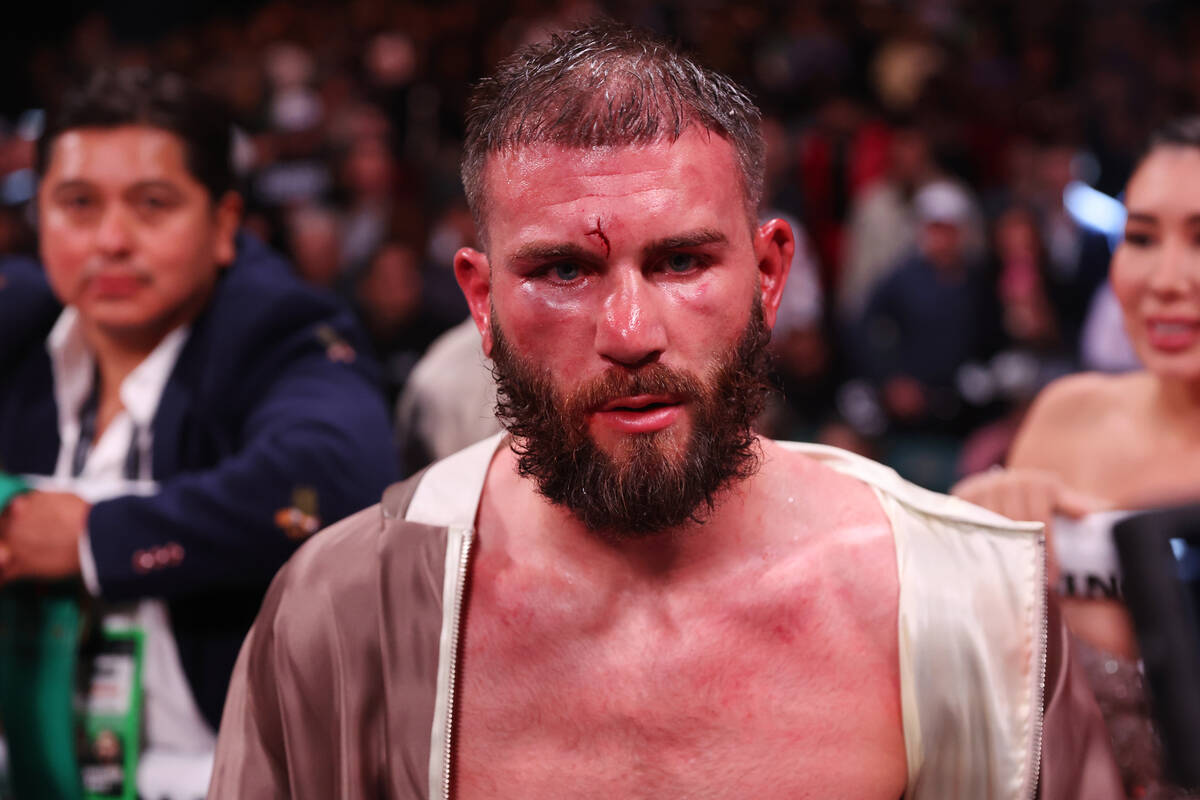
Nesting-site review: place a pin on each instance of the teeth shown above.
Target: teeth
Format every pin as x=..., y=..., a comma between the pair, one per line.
x=1168, y=328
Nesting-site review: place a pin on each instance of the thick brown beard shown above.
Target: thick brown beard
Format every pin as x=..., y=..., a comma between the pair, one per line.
x=658, y=483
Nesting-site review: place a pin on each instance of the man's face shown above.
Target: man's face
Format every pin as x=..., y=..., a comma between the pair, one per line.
x=625, y=280
x=942, y=243
x=127, y=235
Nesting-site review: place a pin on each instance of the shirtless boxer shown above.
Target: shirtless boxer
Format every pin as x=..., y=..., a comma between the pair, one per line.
x=628, y=594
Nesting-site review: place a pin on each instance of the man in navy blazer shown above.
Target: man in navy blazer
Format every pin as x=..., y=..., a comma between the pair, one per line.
x=264, y=421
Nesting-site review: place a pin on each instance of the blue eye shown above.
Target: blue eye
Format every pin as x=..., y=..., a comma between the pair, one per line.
x=682, y=262
x=566, y=271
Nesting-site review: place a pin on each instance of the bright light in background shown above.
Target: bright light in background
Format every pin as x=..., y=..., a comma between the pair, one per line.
x=1094, y=209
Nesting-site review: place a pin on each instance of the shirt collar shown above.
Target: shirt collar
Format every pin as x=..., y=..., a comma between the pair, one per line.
x=73, y=366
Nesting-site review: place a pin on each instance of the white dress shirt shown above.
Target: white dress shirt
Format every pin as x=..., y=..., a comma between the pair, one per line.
x=178, y=743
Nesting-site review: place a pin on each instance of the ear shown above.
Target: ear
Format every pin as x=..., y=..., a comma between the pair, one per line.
x=473, y=272
x=774, y=244
x=227, y=214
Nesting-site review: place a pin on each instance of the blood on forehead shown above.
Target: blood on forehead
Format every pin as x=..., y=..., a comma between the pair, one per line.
x=598, y=230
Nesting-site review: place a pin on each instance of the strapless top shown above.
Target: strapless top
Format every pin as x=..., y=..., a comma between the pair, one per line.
x=1087, y=558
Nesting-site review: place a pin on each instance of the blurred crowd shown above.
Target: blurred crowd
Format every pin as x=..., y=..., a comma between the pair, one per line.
x=926, y=151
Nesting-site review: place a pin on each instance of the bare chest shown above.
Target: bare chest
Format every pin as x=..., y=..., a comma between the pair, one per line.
x=791, y=696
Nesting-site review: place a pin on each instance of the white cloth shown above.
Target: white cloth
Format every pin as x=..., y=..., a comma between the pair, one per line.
x=178, y=743
x=1087, y=556
x=450, y=398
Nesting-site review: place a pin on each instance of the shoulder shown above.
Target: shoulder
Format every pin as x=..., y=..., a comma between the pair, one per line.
x=338, y=562
x=335, y=583
x=1063, y=418
x=21, y=274
x=261, y=320
x=260, y=293
x=1062, y=400
x=861, y=478
x=28, y=308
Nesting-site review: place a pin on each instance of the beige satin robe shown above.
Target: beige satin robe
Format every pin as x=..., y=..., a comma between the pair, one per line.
x=344, y=688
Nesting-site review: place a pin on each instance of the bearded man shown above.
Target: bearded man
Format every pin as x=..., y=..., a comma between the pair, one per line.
x=629, y=594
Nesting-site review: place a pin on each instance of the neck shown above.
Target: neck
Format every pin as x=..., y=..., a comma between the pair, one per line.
x=117, y=356
x=688, y=549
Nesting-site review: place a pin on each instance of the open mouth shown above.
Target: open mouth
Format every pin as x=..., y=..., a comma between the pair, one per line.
x=640, y=414
x=1172, y=328
x=1172, y=334
x=640, y=403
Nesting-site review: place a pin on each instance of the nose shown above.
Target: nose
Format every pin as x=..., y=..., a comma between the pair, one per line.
x=630, y=330
x=114, y=237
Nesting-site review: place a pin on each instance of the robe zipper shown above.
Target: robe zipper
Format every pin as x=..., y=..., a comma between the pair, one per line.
x=1040, y=666
x=455, y=638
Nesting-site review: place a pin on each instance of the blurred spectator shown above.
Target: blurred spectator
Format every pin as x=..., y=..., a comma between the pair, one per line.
x=1077, y=258
x=449, y=400
x=882, y=226
x=350, y=119
x=1033, y=352
x=391, y=298
x=929, y=317
x=188, y=411
x=368, y=176
x=803, y=357
x=314, y=238
x=844, y=151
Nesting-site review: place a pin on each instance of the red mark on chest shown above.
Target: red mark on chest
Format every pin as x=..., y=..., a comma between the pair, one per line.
x=599, y=231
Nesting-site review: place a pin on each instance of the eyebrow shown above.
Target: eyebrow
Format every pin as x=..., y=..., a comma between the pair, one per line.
x=1147, y=218
x=151, y=183
x=549, y=251
x=683, y=241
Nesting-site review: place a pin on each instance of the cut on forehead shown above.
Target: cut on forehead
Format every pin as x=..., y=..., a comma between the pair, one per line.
x=646, y=192
x=602, y=86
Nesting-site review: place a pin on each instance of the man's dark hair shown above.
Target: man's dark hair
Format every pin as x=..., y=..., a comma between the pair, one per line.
x=605, y=85
x=113, y=98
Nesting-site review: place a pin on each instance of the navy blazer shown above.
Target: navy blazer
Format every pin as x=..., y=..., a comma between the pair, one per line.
x=274, y=398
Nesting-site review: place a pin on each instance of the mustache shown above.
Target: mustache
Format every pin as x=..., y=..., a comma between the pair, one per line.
x=650, y=488
x=101, y=264
x=616, y=383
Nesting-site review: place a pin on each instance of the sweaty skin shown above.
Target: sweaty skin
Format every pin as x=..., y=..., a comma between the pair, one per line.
x=763, y=664
x=755, y=655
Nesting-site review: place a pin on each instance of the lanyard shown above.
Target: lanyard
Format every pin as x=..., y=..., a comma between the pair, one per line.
x=87, y=434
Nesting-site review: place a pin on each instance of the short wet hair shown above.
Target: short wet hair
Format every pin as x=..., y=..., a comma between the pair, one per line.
x=606, y=85
x=114, y=98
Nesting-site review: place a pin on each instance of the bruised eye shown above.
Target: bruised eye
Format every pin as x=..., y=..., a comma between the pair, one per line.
x=681, y=262
x=566, y=271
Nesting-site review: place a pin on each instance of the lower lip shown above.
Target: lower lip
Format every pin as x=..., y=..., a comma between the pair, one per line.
x=627, y=420
x=1173, y=340
x=115, y=285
